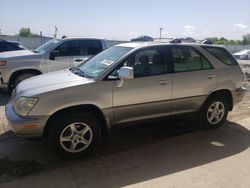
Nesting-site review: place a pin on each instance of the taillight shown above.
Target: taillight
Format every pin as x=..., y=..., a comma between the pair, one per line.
x=2, y=63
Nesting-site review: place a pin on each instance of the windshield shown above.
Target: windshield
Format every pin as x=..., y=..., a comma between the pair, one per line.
x=43, y=48
x=97, y=64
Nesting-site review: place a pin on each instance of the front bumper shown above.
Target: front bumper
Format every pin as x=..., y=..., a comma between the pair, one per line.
x=30, y=127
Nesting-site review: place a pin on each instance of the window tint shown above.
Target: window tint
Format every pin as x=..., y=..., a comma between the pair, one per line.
x=2, y=47
x=11, y=46
x=222, y=54
x=94, y=47
x=69, y=48
x=188, y=59
x=147, y=62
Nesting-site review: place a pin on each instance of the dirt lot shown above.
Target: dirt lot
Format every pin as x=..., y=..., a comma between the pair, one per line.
x=148, y=155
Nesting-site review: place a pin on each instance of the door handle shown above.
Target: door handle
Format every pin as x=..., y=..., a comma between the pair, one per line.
x=162, y=82
x=78, y=60
x=211, y=76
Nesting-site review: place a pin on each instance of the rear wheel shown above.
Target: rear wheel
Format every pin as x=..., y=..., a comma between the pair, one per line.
x=214, y=112
x=75, y=135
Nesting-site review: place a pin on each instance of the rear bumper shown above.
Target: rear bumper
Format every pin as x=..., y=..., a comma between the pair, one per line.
x=239, y=94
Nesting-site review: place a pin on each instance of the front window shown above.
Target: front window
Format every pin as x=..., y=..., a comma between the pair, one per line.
x=99, y=63
x=43, y=48
x=69, y=48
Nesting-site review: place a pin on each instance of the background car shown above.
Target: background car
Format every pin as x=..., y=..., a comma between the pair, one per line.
x=54, y=55
x=142, y=38
x=244, y=54
x=10, y=46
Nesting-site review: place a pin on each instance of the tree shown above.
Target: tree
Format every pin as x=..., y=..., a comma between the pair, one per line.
x=25, y=32
x=246, y=39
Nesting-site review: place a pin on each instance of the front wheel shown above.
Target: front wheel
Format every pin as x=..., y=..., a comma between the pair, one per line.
x=21, y=77
x=214, y=112
x=74, y=136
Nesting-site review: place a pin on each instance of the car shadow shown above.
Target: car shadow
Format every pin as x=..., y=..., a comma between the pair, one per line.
x=131, y=154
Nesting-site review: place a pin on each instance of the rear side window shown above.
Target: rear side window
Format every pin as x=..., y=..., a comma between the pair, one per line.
x=94, y=47
x=187, y=59
x=222, y=54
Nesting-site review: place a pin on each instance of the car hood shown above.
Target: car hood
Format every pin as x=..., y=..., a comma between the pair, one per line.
x=17, y=53
x=49, y=82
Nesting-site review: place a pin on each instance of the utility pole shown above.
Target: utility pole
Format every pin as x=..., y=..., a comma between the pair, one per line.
x=55, y=35
x=160, y=32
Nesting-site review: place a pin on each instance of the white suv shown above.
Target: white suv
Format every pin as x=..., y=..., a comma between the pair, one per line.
x=56, y=54
x=126, y=83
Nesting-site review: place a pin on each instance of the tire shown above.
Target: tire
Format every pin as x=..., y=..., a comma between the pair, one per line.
x=73, y=136
x=20, y=78
x=246, y=57
x=214, y=112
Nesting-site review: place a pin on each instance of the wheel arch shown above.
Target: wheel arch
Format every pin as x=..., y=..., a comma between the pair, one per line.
x=222, y=92
x=19, y=72
x=90, y=108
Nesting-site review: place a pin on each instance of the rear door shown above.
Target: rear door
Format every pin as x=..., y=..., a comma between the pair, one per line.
x=193, y=78
x=89, y=48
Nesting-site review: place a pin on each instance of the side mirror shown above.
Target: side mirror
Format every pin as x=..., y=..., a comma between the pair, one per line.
x=53, y=54
x=126, y=73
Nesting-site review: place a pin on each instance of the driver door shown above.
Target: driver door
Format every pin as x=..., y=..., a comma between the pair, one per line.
x=148, y=95
x=67, y=51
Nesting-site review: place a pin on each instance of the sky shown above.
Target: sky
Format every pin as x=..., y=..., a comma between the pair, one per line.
x=126, y=19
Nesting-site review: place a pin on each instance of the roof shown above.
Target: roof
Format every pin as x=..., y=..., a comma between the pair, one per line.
x=143, y=44
x=8, y=41
x=67, y=38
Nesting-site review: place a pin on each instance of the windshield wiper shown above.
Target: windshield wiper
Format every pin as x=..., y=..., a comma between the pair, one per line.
x=77, y=71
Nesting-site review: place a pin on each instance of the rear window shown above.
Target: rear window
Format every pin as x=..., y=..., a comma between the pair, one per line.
x=222, y=54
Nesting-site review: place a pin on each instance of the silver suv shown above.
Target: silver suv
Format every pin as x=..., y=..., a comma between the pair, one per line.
x=56, y=54
x=126, y=83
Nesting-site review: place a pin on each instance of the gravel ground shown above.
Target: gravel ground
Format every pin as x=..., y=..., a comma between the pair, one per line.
x=4, y=98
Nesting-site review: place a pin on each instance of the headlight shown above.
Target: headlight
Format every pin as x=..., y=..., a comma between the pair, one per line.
x=24, y=105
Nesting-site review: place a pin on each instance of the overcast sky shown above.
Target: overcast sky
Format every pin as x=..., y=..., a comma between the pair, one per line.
x=125, y=19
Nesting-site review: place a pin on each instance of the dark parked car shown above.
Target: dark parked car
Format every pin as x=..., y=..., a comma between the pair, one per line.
x=10, y=46
x=142, y=38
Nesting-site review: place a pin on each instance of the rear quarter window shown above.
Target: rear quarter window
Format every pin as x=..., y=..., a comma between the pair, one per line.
x=222, y=54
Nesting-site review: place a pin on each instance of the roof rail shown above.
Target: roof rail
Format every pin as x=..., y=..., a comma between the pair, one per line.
x=176, y=40
x=206, y=41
